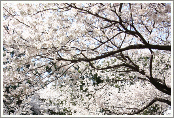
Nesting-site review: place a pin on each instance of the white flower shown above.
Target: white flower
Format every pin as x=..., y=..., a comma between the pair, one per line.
x=94, y=9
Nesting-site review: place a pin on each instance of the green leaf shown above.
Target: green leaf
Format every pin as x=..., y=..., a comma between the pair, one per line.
x=12, y=53
x=29, y=81
x=48, y=69
x=117, y=86
x=79, y=71
x=81, y=87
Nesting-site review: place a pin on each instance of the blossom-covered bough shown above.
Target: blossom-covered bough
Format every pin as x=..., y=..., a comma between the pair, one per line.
x=86, y=58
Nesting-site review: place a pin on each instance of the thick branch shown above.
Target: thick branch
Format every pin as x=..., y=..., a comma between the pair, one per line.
x=138, y=46
x=121, y=4
x=160, y=86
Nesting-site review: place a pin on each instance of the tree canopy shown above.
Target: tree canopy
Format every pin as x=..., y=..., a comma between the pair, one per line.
x=86, y=58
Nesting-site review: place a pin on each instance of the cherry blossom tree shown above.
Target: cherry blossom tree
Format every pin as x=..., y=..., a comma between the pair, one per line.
x=86, y=58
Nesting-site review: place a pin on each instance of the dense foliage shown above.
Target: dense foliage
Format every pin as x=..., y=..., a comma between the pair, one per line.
x=86, y=58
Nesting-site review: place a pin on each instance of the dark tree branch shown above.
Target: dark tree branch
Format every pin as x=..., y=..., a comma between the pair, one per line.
x=115, y=66
x=108, y=39
x=150, y=103
x=108, y=26
x=152, y=80
x=146, y=28
x=141, y=37
x=150, y=68
x=131, y=61
x=160, y=86
x=87, y=11
x=46, y=10
x=138, y=46
x=121, y=4
x=134, y=33
x=6, y=28
x=16, y=18
x=163, y=100
x=108, y=112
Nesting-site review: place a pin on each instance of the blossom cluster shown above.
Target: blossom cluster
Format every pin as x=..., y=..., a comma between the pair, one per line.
x=86, y=58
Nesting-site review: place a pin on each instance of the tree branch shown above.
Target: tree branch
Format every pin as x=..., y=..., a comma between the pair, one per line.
x=160, y=86
x=150, y=68
x=138, y=46
x=150, y=103
x=16, y=18
x=121, y=4
x=115, y=66
x=81, y=9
